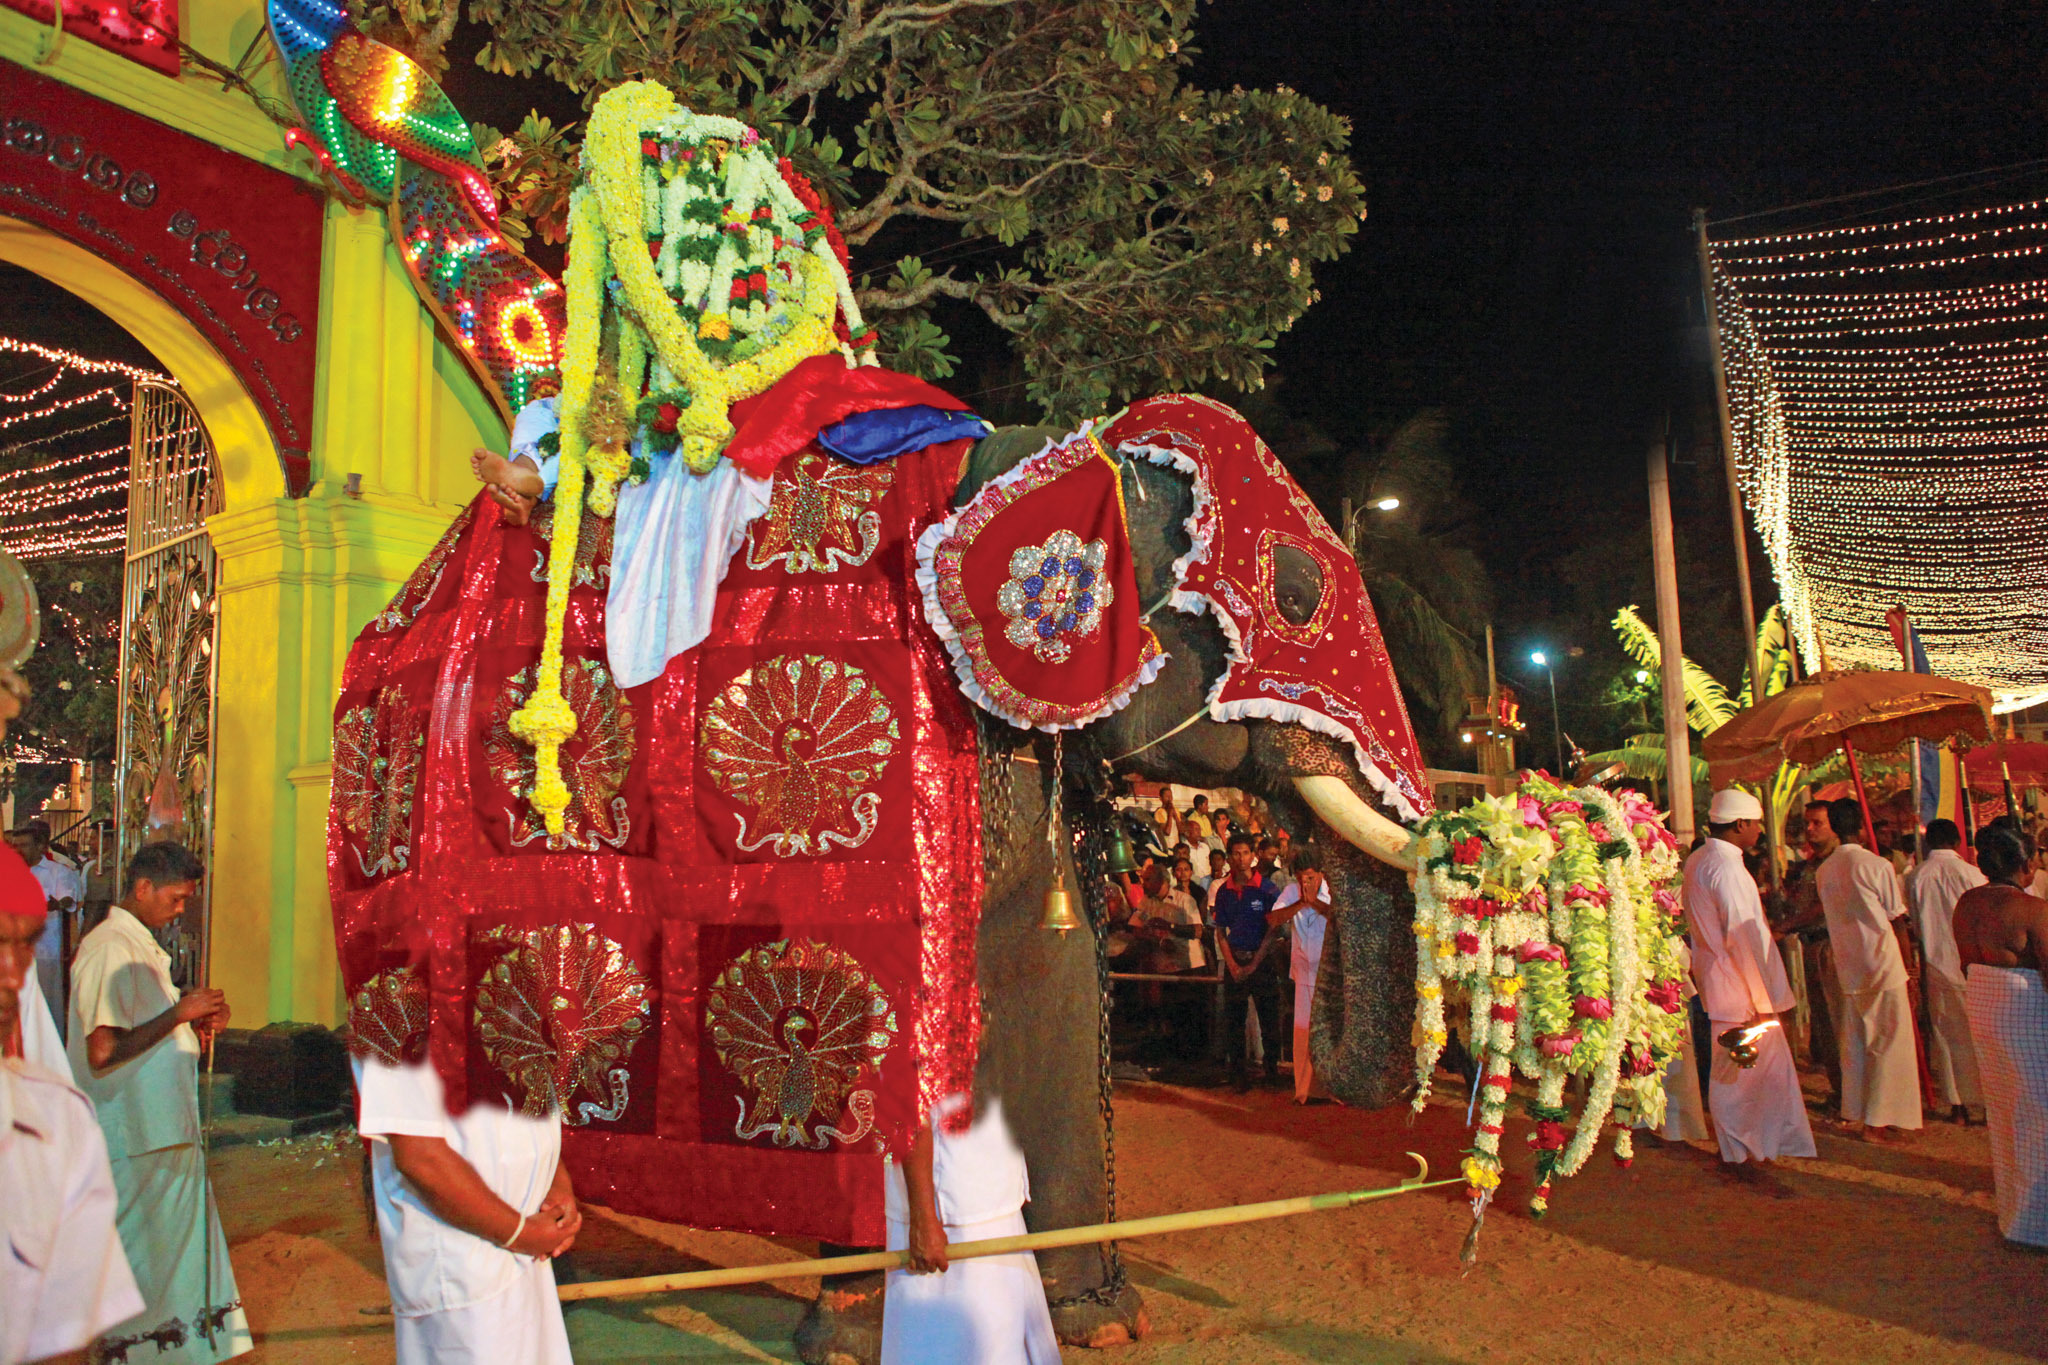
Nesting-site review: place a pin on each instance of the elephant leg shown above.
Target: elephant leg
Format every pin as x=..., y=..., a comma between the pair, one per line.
x=843, y=1325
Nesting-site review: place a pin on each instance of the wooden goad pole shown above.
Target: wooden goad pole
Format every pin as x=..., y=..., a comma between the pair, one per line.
x=1002, y=1246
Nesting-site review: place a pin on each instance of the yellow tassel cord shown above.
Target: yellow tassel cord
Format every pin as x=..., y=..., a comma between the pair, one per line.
x=546, y=719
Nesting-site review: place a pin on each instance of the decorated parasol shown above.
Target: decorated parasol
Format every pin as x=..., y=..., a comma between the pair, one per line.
x=1872, y=711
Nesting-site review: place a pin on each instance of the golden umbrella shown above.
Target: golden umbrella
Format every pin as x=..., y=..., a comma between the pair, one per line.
x=1828, y=711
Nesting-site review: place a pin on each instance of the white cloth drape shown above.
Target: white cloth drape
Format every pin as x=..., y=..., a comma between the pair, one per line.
x=672, y=538
x=2009, y=1022
x=1880, y=1077
x=1759, y=1113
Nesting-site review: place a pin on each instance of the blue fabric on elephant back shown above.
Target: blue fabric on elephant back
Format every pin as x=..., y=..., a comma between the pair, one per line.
x=868, y=437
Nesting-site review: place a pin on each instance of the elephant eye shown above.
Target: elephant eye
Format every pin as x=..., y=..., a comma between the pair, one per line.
x=1297, y=584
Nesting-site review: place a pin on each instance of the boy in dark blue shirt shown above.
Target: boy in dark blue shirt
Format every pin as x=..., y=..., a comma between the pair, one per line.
x=1239, y=905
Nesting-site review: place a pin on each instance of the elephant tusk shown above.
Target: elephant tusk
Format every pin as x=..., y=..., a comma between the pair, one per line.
x=1357, y=823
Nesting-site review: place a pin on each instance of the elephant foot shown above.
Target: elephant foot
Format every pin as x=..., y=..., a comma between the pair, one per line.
x=843, y=1325
x=1094, y=1324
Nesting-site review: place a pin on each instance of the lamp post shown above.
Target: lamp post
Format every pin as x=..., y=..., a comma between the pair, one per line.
x=1542, y=661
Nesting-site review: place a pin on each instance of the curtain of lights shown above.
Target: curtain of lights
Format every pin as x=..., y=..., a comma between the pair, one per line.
x=1889, y=391
x=69, y=415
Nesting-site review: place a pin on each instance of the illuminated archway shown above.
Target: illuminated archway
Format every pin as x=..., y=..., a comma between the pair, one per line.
x=250, y=472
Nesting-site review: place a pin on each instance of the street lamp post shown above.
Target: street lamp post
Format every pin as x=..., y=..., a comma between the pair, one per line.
x=1542, y=661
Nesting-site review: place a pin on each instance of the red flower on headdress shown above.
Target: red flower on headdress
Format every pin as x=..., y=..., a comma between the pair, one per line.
x=1466, y=852
x=665, y=418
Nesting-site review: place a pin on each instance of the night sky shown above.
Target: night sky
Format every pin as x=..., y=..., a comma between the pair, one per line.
x=1528, y=263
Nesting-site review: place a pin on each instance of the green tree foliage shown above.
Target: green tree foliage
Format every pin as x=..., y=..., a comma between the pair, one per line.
x=71, y=676
x=1126, y=231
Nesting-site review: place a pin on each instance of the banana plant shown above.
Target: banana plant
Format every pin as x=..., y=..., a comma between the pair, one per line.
x=1709, y=705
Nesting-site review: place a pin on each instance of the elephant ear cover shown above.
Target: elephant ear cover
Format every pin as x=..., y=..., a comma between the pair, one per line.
x=1316, y=659
x=1033, y=589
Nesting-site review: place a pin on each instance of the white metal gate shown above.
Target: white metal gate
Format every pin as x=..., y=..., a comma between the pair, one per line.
x=163, y=785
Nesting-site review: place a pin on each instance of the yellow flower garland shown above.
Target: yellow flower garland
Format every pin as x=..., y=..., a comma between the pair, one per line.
x=611, y=151
x=607, y=228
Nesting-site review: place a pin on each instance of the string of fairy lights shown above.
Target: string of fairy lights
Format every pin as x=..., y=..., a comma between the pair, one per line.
x=62, y=417
x=1888, y=385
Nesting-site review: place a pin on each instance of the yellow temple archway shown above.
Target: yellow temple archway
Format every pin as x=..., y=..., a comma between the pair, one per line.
x=394, y=414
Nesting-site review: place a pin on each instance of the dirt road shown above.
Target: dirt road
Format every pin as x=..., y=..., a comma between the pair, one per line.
x=1865, y=1254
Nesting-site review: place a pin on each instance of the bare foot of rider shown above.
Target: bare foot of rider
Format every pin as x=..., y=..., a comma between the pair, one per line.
x=515, y=485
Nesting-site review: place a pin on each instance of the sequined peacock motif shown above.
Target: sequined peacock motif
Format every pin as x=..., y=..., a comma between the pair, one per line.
x=377, y=752
x=594, y=763
x=558, y=1014
x=800, y=1024
x=800, y=742
x=387, y=1017
x=821, y=516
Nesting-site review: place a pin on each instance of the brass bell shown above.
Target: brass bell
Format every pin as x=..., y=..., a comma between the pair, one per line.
x=1117, y=852
x=1059, y=913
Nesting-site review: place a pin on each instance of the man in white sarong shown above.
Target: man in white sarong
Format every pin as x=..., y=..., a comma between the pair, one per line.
x=134, y=1045
x=471, y=1211
x=63, y=1278
x=964, y=1187
x=1933, y=889
x=1759, y=1113
x=2002, y=942
x=1866, y=913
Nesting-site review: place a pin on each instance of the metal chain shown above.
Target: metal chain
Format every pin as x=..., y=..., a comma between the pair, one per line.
x=1091, y=862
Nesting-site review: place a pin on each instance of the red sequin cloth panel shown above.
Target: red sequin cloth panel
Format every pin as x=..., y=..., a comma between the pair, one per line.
x=747, y=965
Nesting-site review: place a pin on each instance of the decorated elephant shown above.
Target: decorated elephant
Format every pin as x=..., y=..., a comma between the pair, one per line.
x=638, y=971
x=702, y=793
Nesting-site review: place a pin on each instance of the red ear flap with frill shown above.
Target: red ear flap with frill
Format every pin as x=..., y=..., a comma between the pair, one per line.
x=1032, y=588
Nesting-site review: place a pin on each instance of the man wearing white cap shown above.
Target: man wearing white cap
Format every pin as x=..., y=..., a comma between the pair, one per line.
x=1759, y=1113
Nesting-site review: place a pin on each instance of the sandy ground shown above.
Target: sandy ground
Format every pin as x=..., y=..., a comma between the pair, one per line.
x=1864, y=1254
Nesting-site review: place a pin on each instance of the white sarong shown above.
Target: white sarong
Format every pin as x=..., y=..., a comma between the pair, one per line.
x=1950, y=1055
x=2009, y=1024
x=166, y=1221
x=1880, y=1077
x=987, y=1311
x=1759, y=1112
x=1685, y=1118
x=522, y=1324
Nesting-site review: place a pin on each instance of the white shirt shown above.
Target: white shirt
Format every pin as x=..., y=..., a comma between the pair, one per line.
x=1179, y=908
x=1307, y=928
x=63, y=1277
x=1859, y=894
x=122, y=979
x=1735, y=963
x=58, y=882
x=41, y=1044
x=1934, y=888
x=978, y=1175
x=431, y=1266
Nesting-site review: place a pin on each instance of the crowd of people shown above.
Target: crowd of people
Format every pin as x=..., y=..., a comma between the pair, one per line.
x=1915, y=982
x=1238, y=930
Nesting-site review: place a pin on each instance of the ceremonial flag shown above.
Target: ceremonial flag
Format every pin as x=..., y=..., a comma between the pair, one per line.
x=1941, y=780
